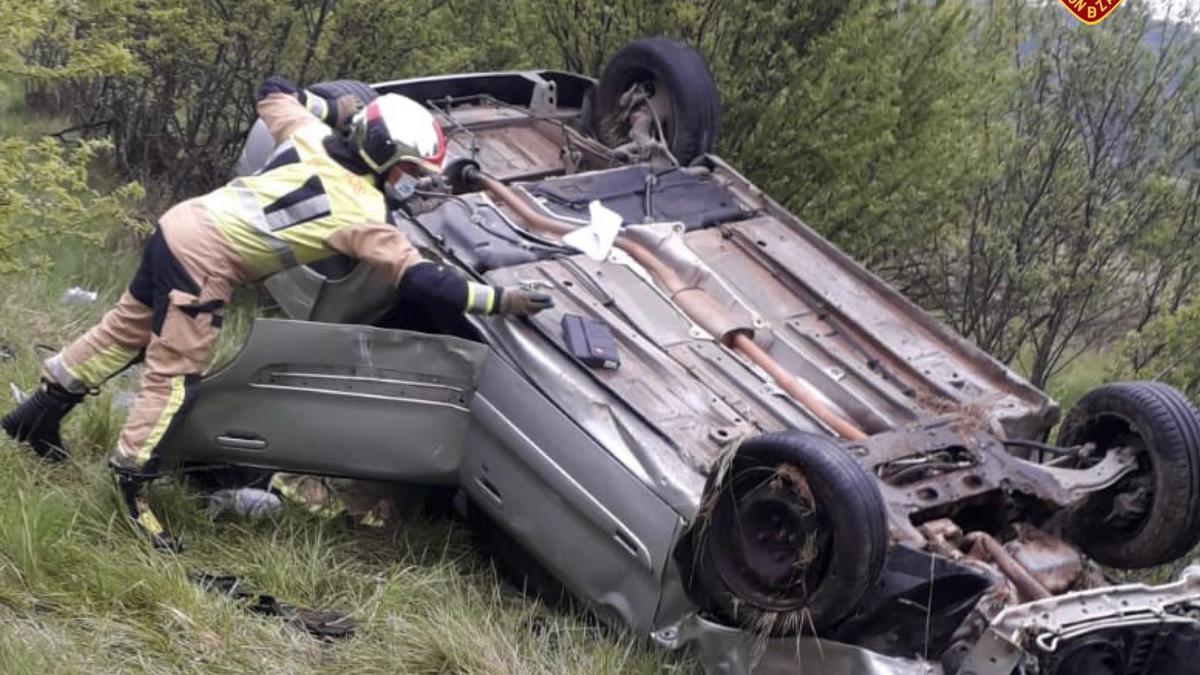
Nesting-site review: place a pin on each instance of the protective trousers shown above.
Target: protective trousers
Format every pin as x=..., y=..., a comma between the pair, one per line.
x=166, y=318
x=368, y=502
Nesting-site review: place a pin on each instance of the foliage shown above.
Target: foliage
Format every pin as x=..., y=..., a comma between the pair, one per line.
x=178, y=107
x=48, y=196
x=80, y=593
x=1167, y=349
x=1020, y=175
x=179, y=118
x=870, y=139
x=47, y=202
x=58, y=40
x=1081, y=232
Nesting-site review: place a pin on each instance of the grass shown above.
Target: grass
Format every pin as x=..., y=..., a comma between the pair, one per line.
x=1082, y=375
x=80, y=593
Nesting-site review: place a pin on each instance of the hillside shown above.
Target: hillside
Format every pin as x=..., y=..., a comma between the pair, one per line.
x=1031, y=182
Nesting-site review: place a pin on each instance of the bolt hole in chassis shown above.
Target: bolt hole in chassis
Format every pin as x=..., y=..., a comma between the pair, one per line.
x=634, y=488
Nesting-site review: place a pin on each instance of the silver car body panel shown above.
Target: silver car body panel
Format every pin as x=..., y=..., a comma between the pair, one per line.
x=536, y=472
x=598, y=473
x=730, y=651
x=360, y=297
x=342, y=396
x=1040, y=627
x=411, y=407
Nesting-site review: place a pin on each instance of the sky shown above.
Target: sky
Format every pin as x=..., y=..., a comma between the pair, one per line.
x=1176, y=8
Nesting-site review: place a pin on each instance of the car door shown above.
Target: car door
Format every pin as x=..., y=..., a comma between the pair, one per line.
x=334, y=399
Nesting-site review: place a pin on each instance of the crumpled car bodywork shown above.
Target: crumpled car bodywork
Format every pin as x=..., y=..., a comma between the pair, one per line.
x=600, y=474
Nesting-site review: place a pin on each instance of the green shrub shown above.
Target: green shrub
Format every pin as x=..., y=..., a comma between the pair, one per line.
x=48, y=201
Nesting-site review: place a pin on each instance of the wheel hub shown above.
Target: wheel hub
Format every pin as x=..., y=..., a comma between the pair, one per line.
x=773, y=539
x=1128, y=502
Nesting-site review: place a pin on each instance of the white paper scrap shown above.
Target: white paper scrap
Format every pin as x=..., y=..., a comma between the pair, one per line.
x=596, y=240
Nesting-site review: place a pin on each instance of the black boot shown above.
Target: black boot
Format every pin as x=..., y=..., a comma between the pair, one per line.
x=131, y=484
x=36, y=420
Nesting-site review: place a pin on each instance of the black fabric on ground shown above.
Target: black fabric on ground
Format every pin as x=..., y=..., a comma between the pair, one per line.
x=318, y=623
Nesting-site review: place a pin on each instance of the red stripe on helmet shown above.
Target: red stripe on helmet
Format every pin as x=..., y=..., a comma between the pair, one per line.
x=439, y=154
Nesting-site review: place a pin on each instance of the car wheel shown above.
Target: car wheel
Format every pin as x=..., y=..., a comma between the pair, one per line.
x=587, y=113
x=681, y=89
x=792, y=534
x=1152, y=515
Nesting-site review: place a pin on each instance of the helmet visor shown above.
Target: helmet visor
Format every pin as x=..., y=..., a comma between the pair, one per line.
x=391, y=133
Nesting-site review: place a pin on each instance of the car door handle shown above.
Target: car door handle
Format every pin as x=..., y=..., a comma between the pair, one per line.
x=242, y=442
x=630, y=544
x=490, y=490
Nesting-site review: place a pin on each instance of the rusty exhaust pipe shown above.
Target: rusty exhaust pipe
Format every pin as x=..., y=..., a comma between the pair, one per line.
x=1028, y=587
x=696, y=304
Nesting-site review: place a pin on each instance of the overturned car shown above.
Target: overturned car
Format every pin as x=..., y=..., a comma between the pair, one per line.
x=726, y=435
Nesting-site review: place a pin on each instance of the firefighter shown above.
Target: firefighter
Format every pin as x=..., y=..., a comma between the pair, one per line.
x=320, y=194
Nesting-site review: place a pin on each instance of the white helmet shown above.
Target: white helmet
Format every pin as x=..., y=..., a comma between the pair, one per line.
x=393, y=128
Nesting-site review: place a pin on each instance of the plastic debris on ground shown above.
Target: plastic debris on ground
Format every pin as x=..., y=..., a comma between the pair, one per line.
x=79, y=296
x=248, y=502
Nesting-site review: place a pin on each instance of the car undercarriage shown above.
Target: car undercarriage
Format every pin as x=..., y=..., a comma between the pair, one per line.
x=792, y=466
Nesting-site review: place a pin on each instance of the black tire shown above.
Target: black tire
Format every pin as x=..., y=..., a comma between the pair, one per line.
x=587, y=113
x=695, y=116
x=791, y=539
x=1164, y=425
x=335, y=88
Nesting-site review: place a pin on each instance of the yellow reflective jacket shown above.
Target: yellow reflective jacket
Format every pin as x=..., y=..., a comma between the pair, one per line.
x=303, y=205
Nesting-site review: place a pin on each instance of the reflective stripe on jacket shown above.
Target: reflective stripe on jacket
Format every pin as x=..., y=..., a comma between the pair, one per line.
x=288, y=213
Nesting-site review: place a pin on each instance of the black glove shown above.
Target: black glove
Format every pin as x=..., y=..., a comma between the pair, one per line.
x=519, y=301
x=276, y=84
x=426, y=281
x=336, y=112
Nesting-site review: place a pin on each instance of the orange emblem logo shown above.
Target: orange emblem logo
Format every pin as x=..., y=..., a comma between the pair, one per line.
x=1091, y=12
